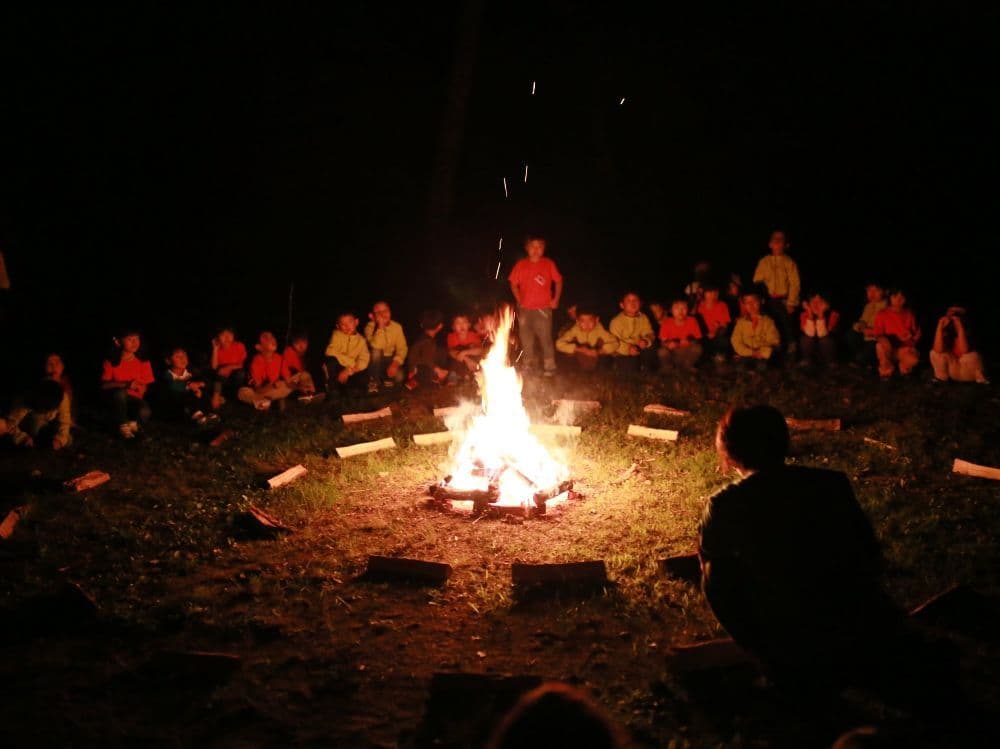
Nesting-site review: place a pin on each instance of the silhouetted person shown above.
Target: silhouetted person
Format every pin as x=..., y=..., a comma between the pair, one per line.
x=555, y=715
x=790, y=563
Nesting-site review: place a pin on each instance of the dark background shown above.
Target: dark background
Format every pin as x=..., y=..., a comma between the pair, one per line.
x=176, y=168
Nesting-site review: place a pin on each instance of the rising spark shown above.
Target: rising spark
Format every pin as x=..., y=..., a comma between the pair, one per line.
x=622, y=101
x=497, y=276
x=532, y=88
x=505, y=193
x=525, y=174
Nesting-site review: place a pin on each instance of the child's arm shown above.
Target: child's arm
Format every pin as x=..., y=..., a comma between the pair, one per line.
x=515, y=289
x=566, y=343
x=794, y=286
x=961, y=340
x=108, y=381
x=739, y=345
x=559, y=289
x=401, y=348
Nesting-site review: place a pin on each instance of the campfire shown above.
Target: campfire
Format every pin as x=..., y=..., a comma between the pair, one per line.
x=498, y=464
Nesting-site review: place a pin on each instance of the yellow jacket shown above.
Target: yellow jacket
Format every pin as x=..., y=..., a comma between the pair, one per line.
x=630, y=330
x=598, y=338
x=389, y=339
x=746, y=339
x=63, y=416
x=349, y=350
x=780, y=275
x=868, y=317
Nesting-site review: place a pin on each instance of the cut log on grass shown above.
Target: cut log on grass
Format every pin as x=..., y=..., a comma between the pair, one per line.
x=686, y=567
x=634, y=430
x=384, y=413
x=972, y=469
x=402, y=568
x=287, y=477
x=361, y=448
x=88, y=481
x=813, y=425
x=434, y=438
x=657, y=408
x=255, y=523
x=582, y=406
x=569, y=573
x=555, y=430
x=879, y=443
x=221, y=437
x=11, y=521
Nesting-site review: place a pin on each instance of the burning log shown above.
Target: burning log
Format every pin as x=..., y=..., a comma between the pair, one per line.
x=384, y=413
x=366, y=447
x=656, y=408
x=634, y=430
x=810, y=425
x=541, y=497
x=287, y=477
x=434, y=438
x=966, y=468
x=569, y=573
x=585, y=406
x=88, y=481
x=555, y=430
x=435, y=573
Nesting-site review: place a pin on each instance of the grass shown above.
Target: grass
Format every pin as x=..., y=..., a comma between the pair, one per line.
x=155, y=550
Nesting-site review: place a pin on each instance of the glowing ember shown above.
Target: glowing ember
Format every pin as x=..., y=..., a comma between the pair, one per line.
x=497, y=451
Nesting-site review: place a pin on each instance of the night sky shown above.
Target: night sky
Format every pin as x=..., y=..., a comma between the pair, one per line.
x=178, y=168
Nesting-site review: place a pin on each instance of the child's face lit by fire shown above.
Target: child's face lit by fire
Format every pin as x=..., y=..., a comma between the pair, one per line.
x=711, y=296
x=586, y=322
x=54, y=367
x=267, y=344
x=898, y=300
x=226, y=338
x=874, y=293
x=381, y=314
x=778, y=243
x=460, y=325
x=751, y=302
x=130, y=344
x=179, y=360
x=347, y=324
x=679, y=311
x=300, y=346
x=631, y=304
x=535, y=249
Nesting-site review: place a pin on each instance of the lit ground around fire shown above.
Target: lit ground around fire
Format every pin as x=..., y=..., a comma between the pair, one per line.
x=329, y=659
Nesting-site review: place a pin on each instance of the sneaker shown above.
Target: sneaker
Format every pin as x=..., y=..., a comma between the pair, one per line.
x=209, y=420
x=388, y=383
x=372, y=387
x=198, y=416
x=262, y=405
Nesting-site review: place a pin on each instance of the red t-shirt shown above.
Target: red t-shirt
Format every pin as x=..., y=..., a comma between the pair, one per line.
x=714, y=318
x=901, y=323
x=129, y=370
x=291, y=363
x=472, y=340
x=232, y=355
x=534, y=282
x=264, y=371
x=671, y=331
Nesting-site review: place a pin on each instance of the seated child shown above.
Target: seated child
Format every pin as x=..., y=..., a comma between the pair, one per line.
x=679, y=338
x=817, y=324
x=634, y=333
x=183, y=394
x=428, y=360
x=695, y=291
x=293, y=369
x=265, y=384
x=715, y=318
x=952, y=356
x=861, y=339
x=588, y=342
x=659, y=313
x=734, y=297
x=896, y=333
x=125, y=378
x=465, y=347
x=47, y=409
x=387, y=346
x=346, y=357
x=570, y=321
x=755, y=336
x=228, y=359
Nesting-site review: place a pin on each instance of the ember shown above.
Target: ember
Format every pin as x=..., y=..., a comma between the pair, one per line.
x=498, y=463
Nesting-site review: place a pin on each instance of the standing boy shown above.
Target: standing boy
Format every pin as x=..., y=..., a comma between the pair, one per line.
x=780, y=275
x=537, y=285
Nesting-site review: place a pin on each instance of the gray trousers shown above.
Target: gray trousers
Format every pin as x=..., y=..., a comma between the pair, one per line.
x=535, y=324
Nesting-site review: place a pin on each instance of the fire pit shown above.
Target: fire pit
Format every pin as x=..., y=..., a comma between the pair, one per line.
x=499, y=465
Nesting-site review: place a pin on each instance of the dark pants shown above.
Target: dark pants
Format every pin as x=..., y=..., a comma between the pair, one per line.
x=749, y=364
x=778, y=310
x=126, y=408
x=355, y=384
x=862, y=350
x=177, y=404
x=719, y=345
x=818, y=350
x=644, y=360
x=232, y=382
x=534, y=327
x=379, y=365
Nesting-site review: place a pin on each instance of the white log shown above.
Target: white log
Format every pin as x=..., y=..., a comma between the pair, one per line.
x=879, y=443
x=384, y=413
x=634, y=430
x=365, y=447
x=971, y=469
x=808, y=425
x=434, y=438
x=88, y=481
x=446, y=411
x=577, y=405
x=555, y=430
x=657, y=408
x=287, y=477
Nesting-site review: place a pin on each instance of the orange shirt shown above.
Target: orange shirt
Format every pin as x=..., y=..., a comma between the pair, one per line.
x=715, y=317
x=232, y=355
x=534, y=282
x=264, y=371
x=899, y=323
x=472, y=340
x=133, y=370
x=291, y=363
x=671, y=331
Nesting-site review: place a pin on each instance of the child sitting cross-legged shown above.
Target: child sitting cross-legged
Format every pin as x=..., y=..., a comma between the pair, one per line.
x=465, y=347
x=588, y=342
x=387, y=346
x=265, y=383
x=182, y=394
x=46, y=414
x=715, y=318
x=347, y=357
x=635, y=335
x=428, y=361
x=861, y=338
x=293, y=369
x=125, y=378
x=896, y=335
x=755, y=336
x=228, y=359
x=679, y=339
x=817, y=324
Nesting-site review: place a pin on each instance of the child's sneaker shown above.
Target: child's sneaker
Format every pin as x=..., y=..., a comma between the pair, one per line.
x=198, y=417
x=372, y=387
x=411, y=383
x=388, y=383
x=262, y=405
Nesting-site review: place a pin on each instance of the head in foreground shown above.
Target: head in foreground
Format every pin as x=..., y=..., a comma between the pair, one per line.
x=752, y=439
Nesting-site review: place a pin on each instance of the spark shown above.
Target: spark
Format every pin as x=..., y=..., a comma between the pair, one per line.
x=533, y=88
x=525, y=174
x=519, y=356
x=497, y=276
x=500, y=246
x=622, y=101
x=505, y=193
